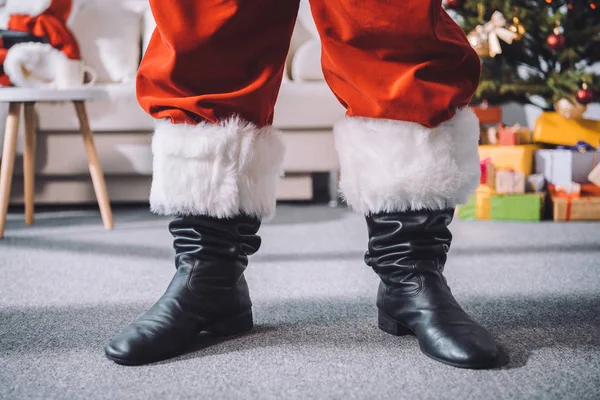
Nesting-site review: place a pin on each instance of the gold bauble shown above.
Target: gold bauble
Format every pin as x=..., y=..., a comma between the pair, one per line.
x=479, y=41
x=570, y=108
x=517, y=28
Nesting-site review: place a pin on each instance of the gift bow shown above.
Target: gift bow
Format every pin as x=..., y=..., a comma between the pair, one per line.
x=581, y=147
x=569, y=196
x=495, y=29
x=514, y=129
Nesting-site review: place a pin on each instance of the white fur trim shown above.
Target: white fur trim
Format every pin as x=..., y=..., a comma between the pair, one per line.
x=27, y=7
x=32, y=64
x=391, y=166
x=220, y=170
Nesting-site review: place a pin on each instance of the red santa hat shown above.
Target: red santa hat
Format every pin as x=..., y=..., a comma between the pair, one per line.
x=33, y=64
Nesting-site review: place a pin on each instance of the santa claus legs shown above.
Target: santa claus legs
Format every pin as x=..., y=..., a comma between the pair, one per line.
x=407, y=147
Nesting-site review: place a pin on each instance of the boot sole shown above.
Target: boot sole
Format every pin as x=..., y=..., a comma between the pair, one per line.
x=393, y=327
x=232, y=326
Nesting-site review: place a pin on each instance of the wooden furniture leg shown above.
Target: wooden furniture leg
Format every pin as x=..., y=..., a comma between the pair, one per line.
x=94, y=165
x=29, y=162
x=8, y=160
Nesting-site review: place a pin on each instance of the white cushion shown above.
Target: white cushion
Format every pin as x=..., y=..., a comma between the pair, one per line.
x=306, y=65
x=305, y=40
x=110, y=41
x=120, y=112
x=306, y=105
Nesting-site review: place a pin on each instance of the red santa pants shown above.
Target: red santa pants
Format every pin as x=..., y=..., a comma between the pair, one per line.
x=403, y=69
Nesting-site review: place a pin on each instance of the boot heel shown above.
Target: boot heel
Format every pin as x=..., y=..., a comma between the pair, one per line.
x=233, y=326
x=392, y=327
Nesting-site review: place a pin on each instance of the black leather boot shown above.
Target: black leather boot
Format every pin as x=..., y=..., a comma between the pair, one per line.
x=207, y=294
x=408, y=252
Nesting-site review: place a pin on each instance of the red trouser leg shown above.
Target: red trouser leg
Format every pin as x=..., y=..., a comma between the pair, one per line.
x=211, y=75
x=402, y=69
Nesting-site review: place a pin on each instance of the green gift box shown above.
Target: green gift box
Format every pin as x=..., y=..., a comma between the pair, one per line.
x=517, y=207
x=468, y=211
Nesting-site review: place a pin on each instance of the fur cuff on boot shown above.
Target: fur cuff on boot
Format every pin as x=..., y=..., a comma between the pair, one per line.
x=395, y=166
x=219, y=170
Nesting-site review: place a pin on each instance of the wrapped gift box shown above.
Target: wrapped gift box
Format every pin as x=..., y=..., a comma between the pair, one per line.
x=510, y=182
x=552, y=128
x=594, y=176
x=483, y=195
x=536, y=183
x=488, y=173
x=583, y=206
x=507, y=138
x=515, y=158
x=525, y=135
x=488, y=114
x=478, y=206
x=508, y=135
x=576, y=209
x=561, y=167
x=516, y=207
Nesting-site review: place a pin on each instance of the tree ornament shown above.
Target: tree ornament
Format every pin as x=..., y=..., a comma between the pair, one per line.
x=556, y=41
x=580, y=4
x=585, y=94
x=548, y=1
x=479, y=41
x=485, y=39
x=455, y=4
x=570, y=109
x=517, y=28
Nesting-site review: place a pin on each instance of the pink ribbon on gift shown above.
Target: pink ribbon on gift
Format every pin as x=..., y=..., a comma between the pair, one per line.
x=483, y=166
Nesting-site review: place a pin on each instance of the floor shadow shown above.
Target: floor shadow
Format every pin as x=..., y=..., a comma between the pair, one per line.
x=151, y=251
x=553, y=248
x=307, y=214
x=520, y=325
x=81, y=218
x=47, y=217
x=72, y=245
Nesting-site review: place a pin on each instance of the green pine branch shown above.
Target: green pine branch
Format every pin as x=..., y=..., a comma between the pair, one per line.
x=528, y=67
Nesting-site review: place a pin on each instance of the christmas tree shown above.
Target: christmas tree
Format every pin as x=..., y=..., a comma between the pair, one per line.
x=533, y=51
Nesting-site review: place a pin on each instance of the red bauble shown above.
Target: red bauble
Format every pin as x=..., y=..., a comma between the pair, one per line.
x=454, y=4
x=556, y=41
x=584, y=96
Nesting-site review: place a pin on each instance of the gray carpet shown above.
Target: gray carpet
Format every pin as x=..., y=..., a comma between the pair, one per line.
x=67, y=286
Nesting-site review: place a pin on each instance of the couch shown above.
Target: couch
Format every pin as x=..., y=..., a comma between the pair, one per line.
x=113, y=35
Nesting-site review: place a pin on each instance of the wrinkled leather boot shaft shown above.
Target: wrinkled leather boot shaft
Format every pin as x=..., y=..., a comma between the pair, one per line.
x=408, y=251
x=208, y=292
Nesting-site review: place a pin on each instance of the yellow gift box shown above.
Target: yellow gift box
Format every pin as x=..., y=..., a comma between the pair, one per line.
x=552, y=128
x=513, y=158
x=483, y=205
